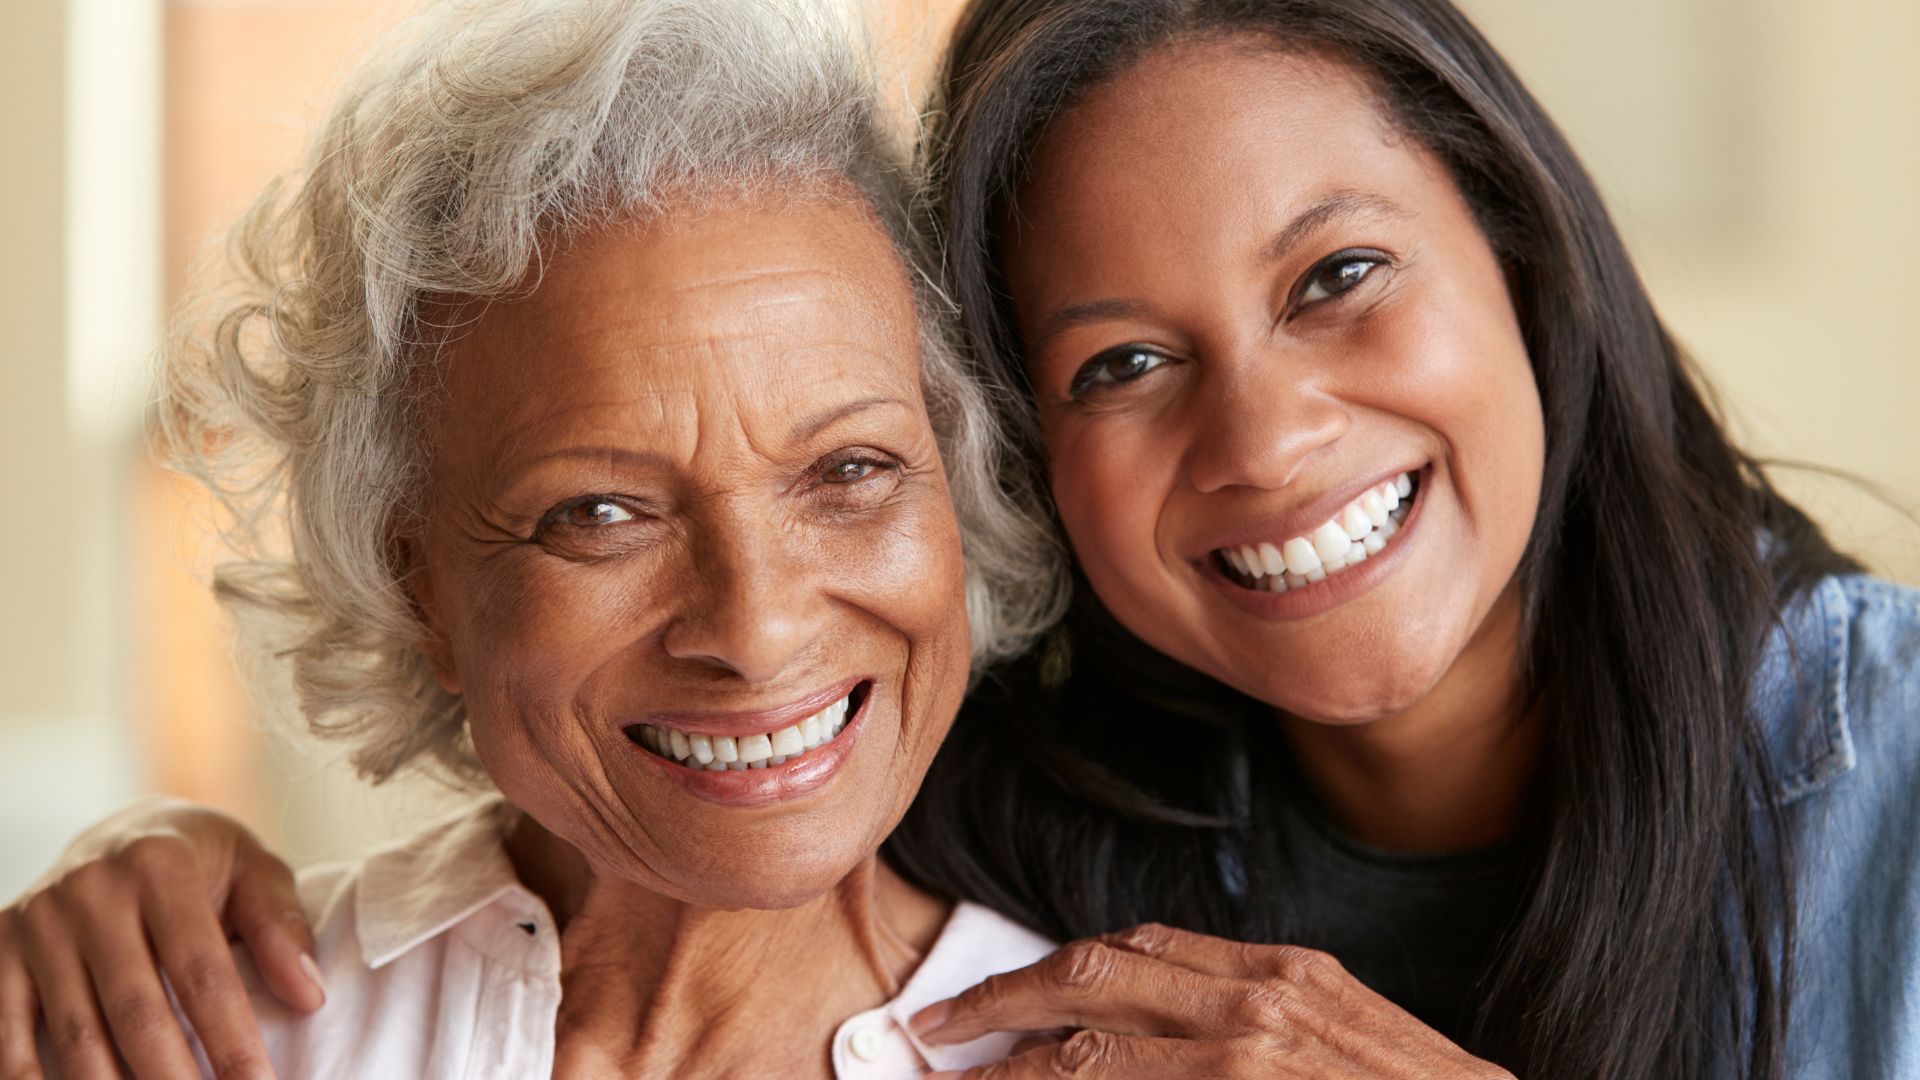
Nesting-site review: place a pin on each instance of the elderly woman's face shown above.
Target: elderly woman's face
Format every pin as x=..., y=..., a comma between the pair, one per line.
x=690, y=555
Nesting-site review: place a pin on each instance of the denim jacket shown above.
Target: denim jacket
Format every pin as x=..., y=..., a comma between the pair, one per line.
x=1841, y=709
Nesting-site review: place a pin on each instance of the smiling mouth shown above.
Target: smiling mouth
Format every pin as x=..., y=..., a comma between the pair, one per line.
x=730, y=753
x=1362, y=529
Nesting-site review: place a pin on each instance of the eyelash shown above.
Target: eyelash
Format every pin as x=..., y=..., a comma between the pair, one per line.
x=873, y=461
x=1339, y=259
x=1087, y=378
x=556, y=517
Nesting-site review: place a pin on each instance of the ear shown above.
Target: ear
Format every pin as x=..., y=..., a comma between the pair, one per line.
x=418, y=578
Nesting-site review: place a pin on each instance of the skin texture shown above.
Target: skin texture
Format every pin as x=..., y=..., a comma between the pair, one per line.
x=1273, y=391
x=1160, y=1002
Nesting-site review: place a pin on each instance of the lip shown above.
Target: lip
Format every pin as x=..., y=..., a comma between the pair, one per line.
x=1299, y=521
x=1321, y=596
x=750, y=723
x=788, y=780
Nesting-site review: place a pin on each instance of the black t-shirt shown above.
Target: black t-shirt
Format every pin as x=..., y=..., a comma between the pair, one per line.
x=1418, y=929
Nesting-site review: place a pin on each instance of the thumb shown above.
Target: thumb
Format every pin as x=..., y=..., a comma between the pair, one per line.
x=263, y=909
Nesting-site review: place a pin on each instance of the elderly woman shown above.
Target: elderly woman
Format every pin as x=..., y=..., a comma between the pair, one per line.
x=621, y=466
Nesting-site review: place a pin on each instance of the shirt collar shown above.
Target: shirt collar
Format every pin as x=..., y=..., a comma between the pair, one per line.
x=421, y=886
x=976, y=942
x=1800, y=693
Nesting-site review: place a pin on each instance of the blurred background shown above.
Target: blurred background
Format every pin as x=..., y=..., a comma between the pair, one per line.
x=1762, y=157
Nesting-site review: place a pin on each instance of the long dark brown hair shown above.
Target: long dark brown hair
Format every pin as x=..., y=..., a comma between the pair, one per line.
x=1097, y=783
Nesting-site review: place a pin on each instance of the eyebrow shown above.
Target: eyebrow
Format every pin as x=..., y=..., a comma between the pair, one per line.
x=806, y=429
x=1338, y=205
x=1335, y=206
x=621, y=454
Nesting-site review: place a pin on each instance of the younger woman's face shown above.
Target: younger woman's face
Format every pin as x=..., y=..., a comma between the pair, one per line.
x=1257, y=316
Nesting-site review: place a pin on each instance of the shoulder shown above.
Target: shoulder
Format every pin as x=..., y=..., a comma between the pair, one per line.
x=1838, y=691
x=398, y=934
x=1880, y=628
x=1841, y=703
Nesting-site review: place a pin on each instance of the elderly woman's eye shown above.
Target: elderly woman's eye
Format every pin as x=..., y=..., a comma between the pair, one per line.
x=1116, y=365
x=592, y=513
x=848, y=472
x=1337, y=273
x=852, y=469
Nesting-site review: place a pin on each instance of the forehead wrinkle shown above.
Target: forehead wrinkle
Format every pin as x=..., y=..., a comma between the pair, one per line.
x=758, y=412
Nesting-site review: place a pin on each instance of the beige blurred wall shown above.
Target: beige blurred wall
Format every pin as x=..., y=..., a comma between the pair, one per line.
x=64, y=751
x=1759, y=155
x=1762, y=158
x=36, y=575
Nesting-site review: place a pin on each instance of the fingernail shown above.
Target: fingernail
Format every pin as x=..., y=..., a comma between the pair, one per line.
x=313, y=976
x=932, y=1018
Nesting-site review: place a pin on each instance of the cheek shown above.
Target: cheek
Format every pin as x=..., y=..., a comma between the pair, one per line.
x=528, y=631
x=1476, y=388
x=539, y=624
x=1109, y=479
x=907, y=574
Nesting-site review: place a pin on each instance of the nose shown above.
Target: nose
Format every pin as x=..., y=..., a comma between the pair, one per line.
x=752, y=606
x=1257, y=420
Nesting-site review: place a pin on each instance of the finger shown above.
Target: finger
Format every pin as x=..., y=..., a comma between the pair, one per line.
x=265, y=912
x=75, y=1027
x=126, y=981
x=199, y=964
x=1210, y=955
x=19, y=1042
x=1039, y=1041
x=1087, y=984
x=1097, y=1054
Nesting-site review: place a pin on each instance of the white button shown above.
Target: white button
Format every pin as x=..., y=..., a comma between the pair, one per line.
x=866, y=1044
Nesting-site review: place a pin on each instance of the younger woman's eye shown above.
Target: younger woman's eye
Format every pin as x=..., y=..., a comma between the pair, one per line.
x=1337, y=273
x=1117, y=365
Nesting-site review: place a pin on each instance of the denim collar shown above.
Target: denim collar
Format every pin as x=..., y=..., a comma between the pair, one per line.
x=1800, y=693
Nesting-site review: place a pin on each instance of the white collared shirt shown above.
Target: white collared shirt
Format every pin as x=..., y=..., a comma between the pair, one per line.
x=440, y=963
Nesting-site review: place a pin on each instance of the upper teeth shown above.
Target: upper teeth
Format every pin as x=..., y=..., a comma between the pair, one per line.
x=718, y=753
x=1360, y=529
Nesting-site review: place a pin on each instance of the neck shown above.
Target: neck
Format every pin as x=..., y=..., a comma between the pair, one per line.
x=651, y=986
x=1448, y=774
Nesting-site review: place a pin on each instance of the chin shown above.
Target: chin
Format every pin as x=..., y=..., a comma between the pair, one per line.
x=1378, y=690
x=772, y=884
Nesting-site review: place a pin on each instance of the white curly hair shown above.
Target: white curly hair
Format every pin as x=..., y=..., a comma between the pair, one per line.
x=481, y=133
